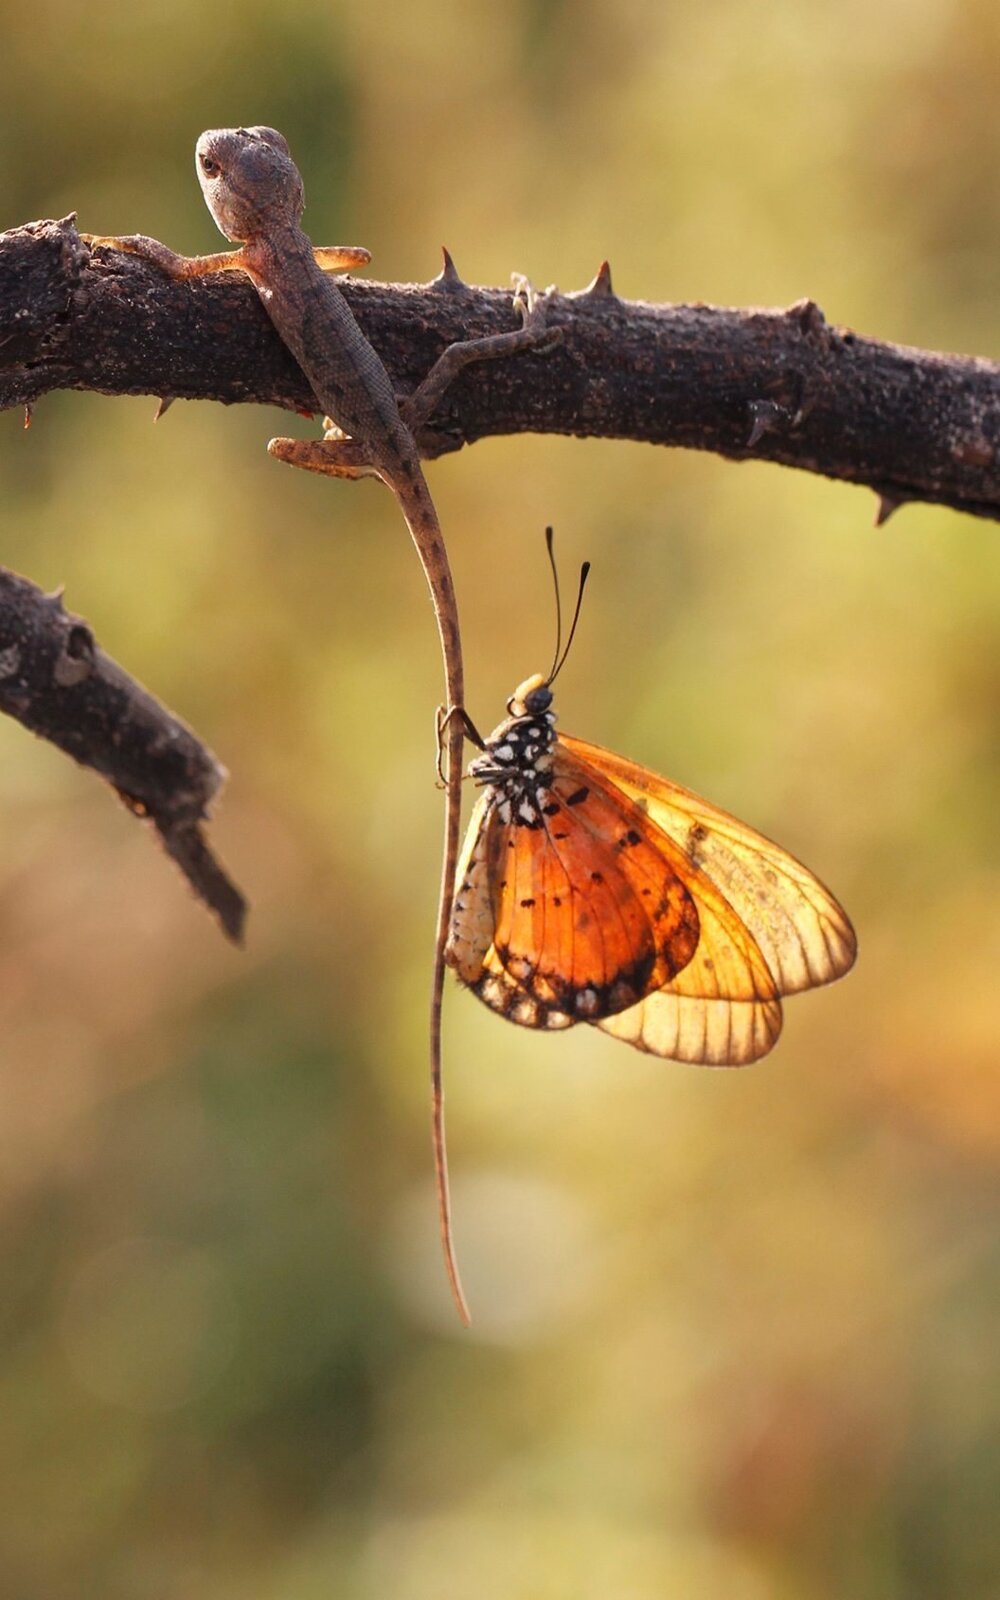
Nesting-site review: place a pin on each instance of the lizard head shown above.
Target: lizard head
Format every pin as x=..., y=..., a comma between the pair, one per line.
x=249, y=180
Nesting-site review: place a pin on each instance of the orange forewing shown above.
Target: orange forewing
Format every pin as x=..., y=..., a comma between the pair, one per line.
x=588, y=905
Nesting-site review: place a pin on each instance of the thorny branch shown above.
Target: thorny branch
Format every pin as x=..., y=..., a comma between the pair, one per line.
x=782, y=386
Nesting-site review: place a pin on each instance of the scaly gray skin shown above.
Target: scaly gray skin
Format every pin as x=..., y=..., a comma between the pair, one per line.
x=255, y=193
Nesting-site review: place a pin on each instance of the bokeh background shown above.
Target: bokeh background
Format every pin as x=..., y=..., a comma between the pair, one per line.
x=732, y=1331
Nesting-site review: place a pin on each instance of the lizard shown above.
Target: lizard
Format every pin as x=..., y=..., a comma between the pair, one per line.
x=255, y=193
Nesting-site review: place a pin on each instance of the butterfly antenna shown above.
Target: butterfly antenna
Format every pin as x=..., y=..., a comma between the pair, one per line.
x=560, y=662
x=549, y=541
x=558, y=659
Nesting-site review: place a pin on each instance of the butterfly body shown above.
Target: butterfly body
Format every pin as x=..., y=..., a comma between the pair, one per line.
x=591, y=890
x=517, y=756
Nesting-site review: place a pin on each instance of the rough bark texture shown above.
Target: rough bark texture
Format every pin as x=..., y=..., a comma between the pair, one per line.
x=781, y=386
x=57, y=681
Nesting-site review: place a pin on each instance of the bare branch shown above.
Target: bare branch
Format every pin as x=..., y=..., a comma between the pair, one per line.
x=57, y=681
x=782, y=386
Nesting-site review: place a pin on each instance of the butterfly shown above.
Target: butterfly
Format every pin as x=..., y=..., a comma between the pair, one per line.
x=592, y=890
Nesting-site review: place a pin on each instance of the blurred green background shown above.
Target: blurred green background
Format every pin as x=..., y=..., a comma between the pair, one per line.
x=732, y=1332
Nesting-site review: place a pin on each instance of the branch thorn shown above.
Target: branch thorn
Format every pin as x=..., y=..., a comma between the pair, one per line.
x=166, y=401
x=765, y=415
x=808, y=315
x=448, y=277
x=599, y=286
x=887, y=504
x=812, y=324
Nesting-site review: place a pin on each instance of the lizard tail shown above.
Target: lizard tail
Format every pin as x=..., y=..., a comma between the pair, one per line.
x=425, y=530
x=453, y=817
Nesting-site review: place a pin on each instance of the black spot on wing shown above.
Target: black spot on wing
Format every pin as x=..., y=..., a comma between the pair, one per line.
x=629, y=838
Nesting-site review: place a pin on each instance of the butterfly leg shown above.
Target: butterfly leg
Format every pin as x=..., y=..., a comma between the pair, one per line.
x=533, y=335
x=443, y=718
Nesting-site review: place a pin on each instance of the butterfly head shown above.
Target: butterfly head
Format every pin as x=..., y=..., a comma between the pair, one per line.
x=531, y=698
x=517, y=756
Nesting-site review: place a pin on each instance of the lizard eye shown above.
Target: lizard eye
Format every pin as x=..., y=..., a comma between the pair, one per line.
x=209, y=167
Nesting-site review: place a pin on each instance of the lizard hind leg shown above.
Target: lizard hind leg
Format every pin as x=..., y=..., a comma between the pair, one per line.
x=336, y=457
x=535, y=335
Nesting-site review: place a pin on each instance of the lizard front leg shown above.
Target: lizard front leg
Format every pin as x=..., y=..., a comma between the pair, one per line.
x=168, y=261
x=329, y=257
